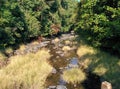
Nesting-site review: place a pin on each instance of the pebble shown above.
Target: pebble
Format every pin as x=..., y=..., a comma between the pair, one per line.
x=56, y=40
x=62, y=54
x=59, y=52
x=61, y=68
x=58, y=57
x=54, y=71
x=52, y=87
x=67, y=42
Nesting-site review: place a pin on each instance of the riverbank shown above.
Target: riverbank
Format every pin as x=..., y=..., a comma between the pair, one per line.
x=101, y=63
x=65, y=52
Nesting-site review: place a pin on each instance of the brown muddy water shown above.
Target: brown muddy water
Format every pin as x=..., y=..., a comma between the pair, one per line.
x=61, y=59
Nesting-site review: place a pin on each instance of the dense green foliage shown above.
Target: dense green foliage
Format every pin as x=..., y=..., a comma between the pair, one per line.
x=22, y=20
x=99, y=20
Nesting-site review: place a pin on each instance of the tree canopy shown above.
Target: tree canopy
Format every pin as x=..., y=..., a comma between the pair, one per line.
x=22, y=20
x=100, y=21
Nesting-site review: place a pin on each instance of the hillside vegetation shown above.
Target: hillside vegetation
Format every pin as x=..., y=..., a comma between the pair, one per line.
x=99, y=21
x=21, y=21
x=101, y=63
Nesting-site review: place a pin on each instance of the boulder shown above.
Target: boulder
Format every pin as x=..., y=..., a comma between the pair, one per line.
x=106, y=85
x=56, y=40
x=67, y=42
x=54, y=71
x=66, y=48
x=62, y=54
x=59, y=52
x=52, y=87
x=61, y=87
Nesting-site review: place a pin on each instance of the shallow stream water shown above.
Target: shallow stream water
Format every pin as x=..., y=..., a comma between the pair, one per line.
x=63, y=50
x=62, y=59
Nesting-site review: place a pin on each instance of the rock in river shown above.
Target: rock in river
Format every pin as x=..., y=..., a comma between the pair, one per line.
x=61, y=87
x=54, y=71
x=66, y=48
x=52, y=87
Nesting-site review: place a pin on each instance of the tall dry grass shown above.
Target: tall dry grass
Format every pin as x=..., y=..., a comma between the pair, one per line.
x=22, y=47
x=26, y=71
x=74, y=75
x=3, y=59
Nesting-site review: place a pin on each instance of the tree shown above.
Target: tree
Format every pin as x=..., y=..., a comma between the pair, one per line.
x=23, y=20
x=100, y=20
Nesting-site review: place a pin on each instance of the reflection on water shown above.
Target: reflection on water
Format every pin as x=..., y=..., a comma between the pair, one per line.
x=73, y=63
x=61, y=80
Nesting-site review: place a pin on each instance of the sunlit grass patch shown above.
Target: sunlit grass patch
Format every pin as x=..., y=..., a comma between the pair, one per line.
x=2, y=59
x=101, y=63
x=26, y=71
x=119, y=63
x=2, y=56
x=83, y=49
x=22, y=47
x=100, y=70
x=8, y=50
x=74, y=75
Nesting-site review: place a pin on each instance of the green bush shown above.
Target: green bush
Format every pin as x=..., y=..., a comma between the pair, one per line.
x=100, y=21
x=24, y=20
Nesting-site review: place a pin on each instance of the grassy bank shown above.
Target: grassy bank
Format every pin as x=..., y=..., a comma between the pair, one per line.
x=101, y=63
x=26, y=71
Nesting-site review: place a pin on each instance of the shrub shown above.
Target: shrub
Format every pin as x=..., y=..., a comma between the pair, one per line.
x=26, y=71
x=74, y=75
x=82, y=50
x=9, y=50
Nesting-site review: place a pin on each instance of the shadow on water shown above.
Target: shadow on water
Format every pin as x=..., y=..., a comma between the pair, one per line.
x=92, y=81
